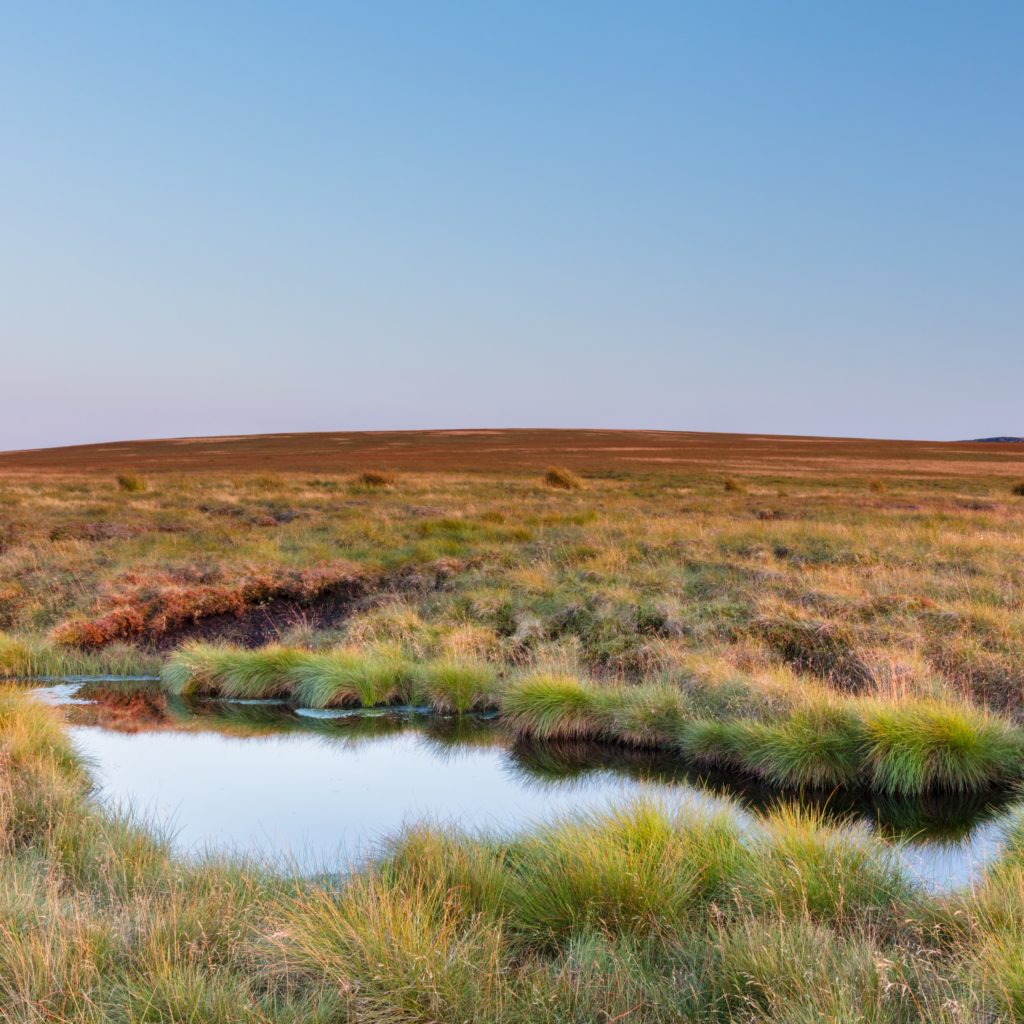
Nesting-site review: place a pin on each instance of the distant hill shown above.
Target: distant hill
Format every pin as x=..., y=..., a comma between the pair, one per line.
x=1001, y=440
x=524, y=451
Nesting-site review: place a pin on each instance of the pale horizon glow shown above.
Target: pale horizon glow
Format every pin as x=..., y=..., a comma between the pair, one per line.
x=768, y=219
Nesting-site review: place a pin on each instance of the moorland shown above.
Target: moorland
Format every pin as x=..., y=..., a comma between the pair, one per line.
x=818, y=614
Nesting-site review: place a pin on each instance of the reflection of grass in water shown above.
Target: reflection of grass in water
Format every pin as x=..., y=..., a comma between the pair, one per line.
x=944, y=818
x=154, y=710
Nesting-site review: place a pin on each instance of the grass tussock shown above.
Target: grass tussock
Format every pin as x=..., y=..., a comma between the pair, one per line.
x=562, y=479
x=131, y=483
x=922, y=746
x=325, y=679
x=1018, y=490
x=30, y=657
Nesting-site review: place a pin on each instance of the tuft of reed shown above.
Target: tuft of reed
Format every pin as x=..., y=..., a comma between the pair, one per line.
x=130, y=483
x=562, y=479
x=919, y=746
x=546, y=706
x=353, y=679
x=457, y=687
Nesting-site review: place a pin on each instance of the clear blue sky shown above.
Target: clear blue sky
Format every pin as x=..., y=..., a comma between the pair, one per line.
x=237, y=217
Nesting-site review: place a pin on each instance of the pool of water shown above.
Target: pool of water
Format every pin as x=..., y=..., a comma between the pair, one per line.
x=315, y=791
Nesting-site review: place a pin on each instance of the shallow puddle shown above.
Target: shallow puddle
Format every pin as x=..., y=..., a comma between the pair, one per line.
x=315, y=790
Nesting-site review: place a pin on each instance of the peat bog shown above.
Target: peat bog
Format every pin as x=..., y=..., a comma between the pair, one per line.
x=512, y=726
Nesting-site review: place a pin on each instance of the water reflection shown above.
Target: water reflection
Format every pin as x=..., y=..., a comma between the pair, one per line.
x=332, y=784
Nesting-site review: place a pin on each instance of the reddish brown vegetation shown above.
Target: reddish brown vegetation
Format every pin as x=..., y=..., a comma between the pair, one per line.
x=162, y=609
x=148, y=607
x=525, y=451
x=134, y=709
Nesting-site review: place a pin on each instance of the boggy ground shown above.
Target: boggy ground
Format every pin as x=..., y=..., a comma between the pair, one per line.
x=812, y=611
x=646, y=914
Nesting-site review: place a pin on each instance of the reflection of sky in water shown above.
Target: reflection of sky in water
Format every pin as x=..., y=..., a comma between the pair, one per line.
x=296, y=796
x=303, y=798
x=953, y=865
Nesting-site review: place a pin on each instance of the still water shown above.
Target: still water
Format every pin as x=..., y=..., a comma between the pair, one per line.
x=316, y=790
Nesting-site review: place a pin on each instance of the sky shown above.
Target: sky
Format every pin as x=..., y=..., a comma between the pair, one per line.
x=223, y=218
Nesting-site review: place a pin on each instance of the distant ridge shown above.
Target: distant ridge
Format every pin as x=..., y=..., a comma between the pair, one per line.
x=1001, y=440
x=496, y=450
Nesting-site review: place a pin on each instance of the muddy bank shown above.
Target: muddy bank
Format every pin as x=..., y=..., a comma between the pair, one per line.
x=160, y=615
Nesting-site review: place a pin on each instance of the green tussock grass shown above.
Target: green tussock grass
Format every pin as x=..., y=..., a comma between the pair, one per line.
x=323, y=679
x=31, y=657
x=817, y=746
x=921, y=746
x=556, y=707
x=903, y=748
x=453, y=687
x=348, y=679
x=899, y=747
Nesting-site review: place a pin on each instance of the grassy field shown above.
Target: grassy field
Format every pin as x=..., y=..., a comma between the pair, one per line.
x=813, y=612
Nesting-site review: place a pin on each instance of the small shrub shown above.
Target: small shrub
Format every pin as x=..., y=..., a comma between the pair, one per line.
x=1018, y=489
x=562, y=479
x=733, y=486
x=130, y=483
